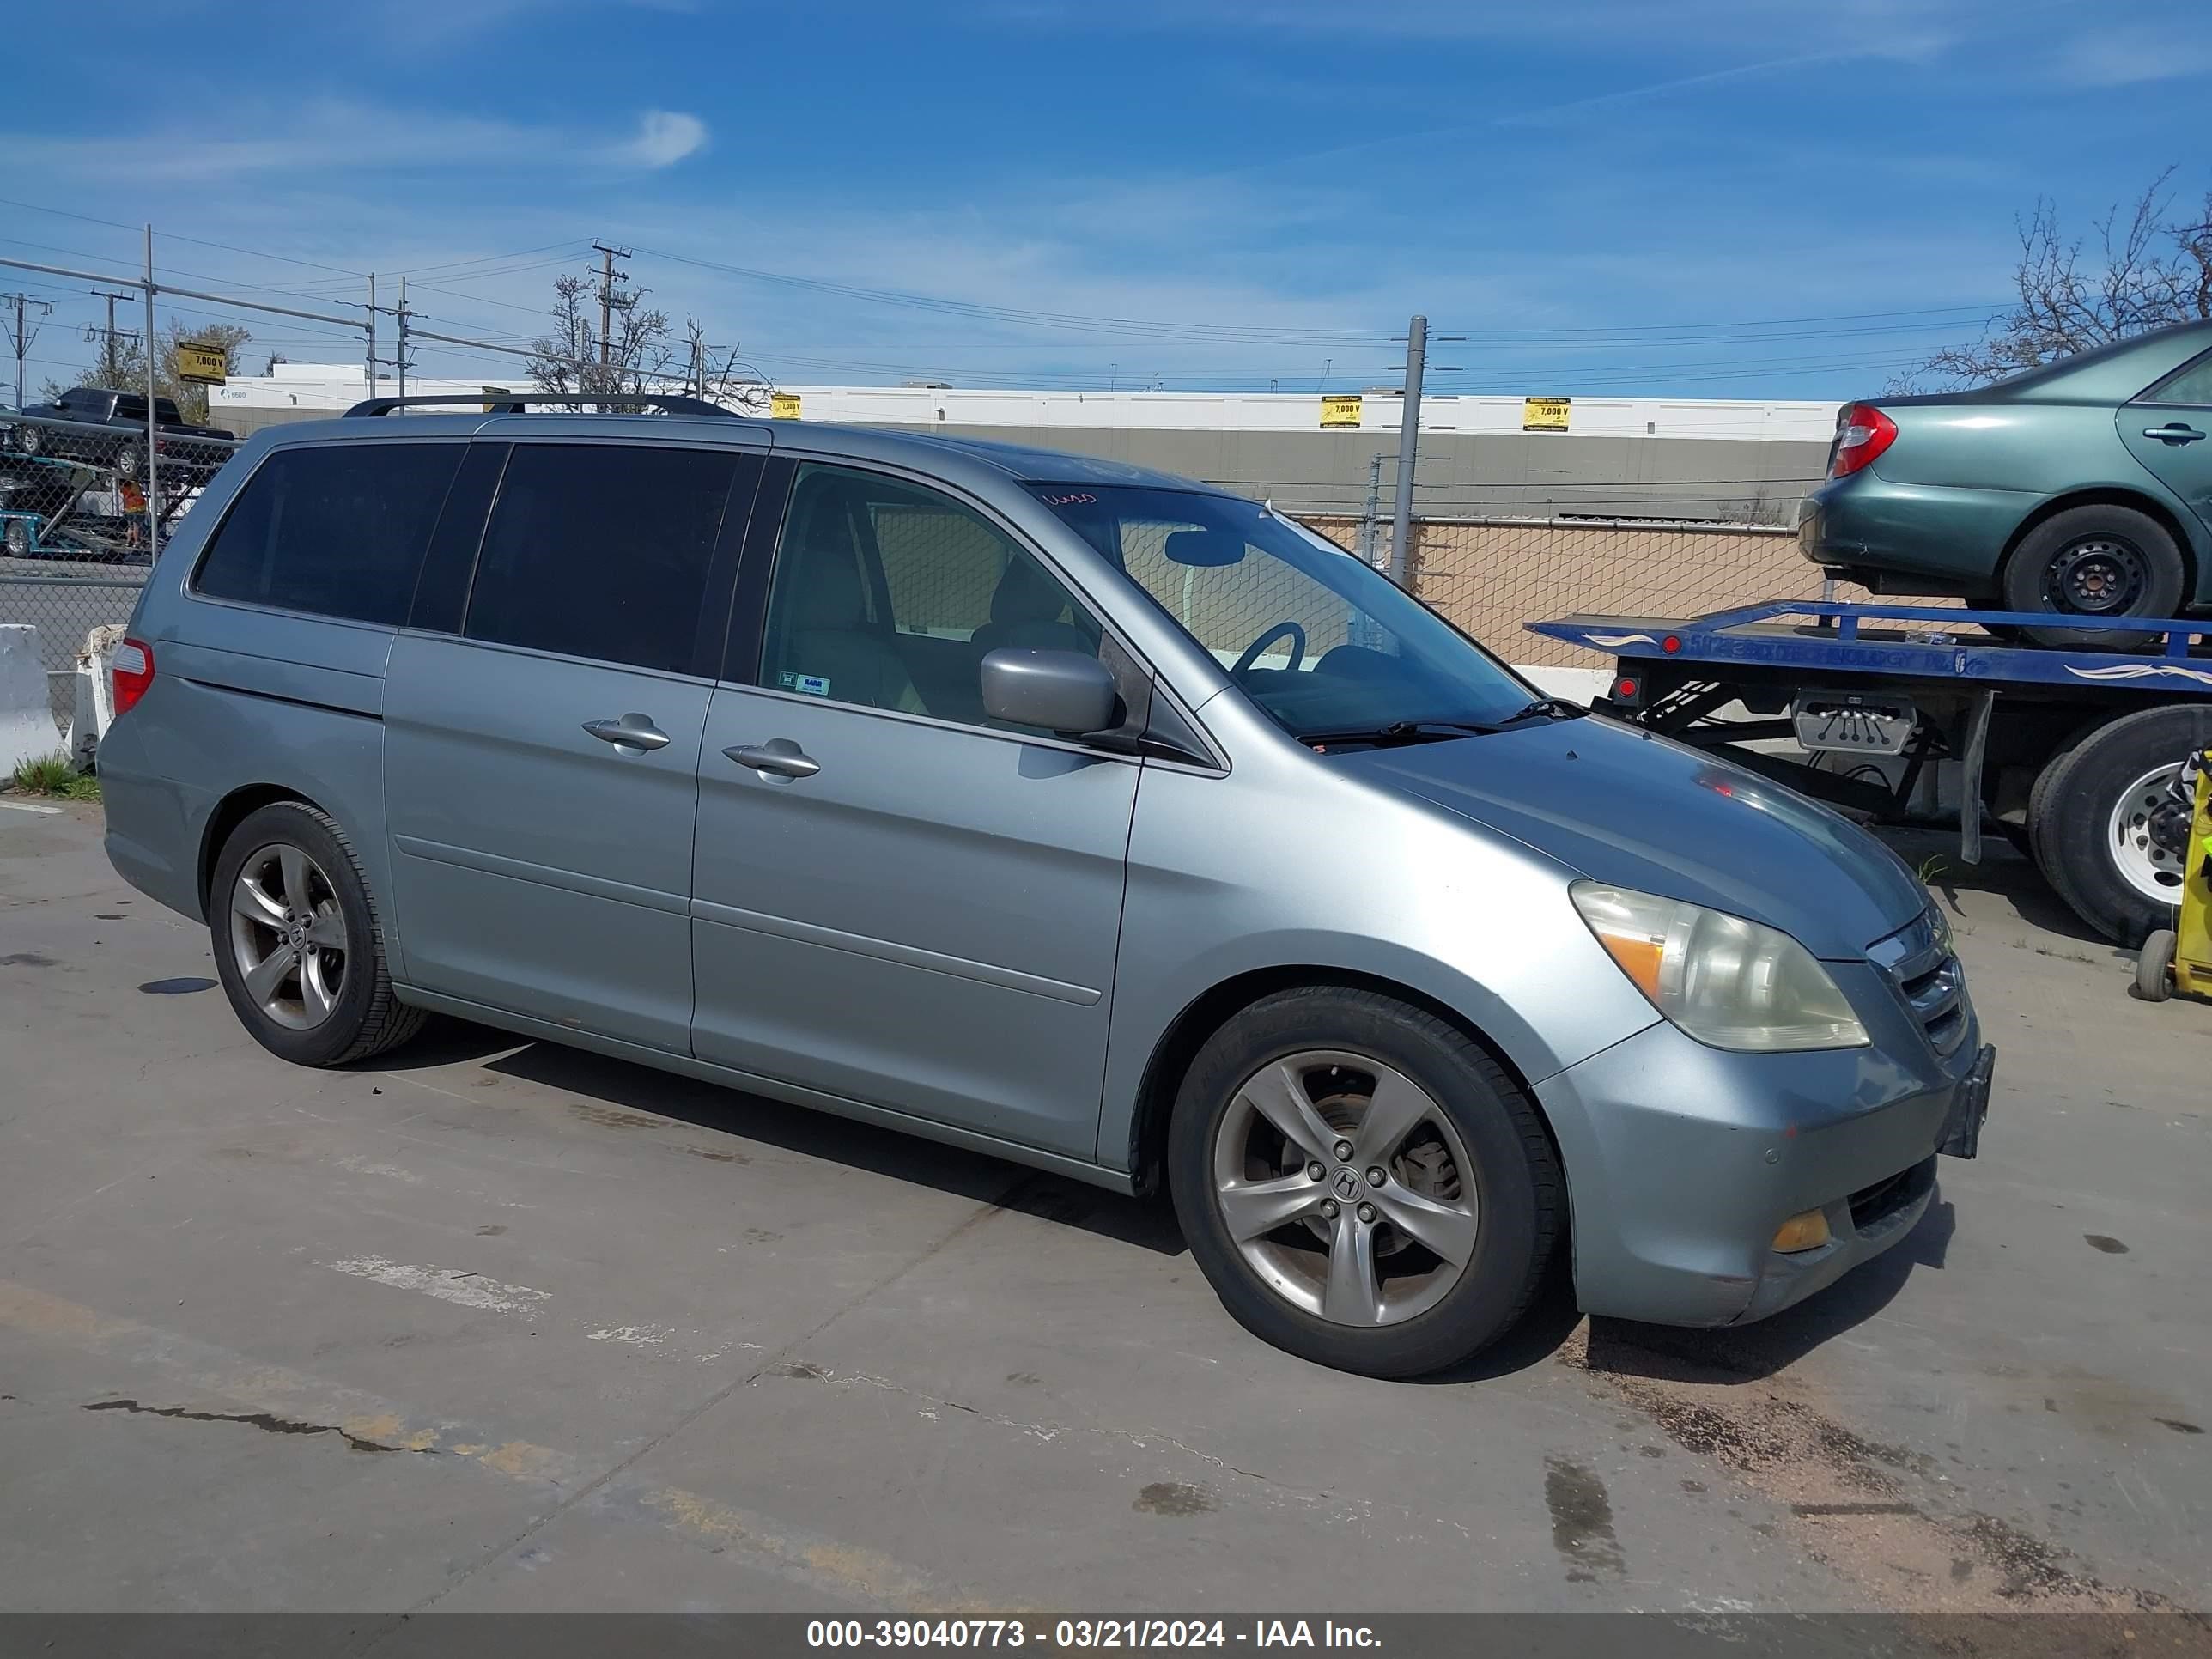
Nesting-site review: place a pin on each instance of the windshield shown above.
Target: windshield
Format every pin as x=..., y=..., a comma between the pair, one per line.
x=1319, y=641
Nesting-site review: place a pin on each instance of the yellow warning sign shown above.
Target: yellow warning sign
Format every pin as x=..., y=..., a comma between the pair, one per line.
x=1340, y=411
x=201, y=364
x=1544, y=414
x=783, y=405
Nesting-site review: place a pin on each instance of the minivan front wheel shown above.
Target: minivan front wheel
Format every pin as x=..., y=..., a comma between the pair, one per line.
x=297, y=943
x=1361, y=1183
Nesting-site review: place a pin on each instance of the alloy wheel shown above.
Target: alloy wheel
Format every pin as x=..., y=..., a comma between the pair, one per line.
x=1345, y=1187
x=288, y=936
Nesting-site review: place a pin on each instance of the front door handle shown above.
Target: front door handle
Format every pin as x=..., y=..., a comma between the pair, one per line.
x=634, y=733
x=779, y=756
x=2175, y=434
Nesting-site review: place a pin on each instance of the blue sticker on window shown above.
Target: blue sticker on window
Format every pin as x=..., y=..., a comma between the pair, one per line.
x=813, y=684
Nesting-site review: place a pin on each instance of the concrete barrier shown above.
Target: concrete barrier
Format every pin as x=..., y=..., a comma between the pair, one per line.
x=27, y=721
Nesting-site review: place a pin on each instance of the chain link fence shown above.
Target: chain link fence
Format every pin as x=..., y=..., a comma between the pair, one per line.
x=76, y=526
x=1490, y=575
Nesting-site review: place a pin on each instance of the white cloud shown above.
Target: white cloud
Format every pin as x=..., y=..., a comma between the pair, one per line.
x=333, y=136
x=664, y=137
x=2123, y=59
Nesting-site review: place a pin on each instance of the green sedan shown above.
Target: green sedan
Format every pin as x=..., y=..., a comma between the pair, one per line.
x=2085, y=487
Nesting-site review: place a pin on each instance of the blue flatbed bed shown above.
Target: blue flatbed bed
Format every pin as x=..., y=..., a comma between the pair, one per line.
x=2079, y=754
x=1942, y=645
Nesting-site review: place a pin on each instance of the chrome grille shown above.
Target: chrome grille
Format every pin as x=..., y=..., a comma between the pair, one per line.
x=1917, y=959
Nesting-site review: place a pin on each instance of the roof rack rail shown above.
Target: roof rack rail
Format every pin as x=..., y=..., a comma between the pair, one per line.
x=505, y=403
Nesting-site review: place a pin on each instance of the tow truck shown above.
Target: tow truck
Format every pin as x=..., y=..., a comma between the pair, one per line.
x=2081, y=758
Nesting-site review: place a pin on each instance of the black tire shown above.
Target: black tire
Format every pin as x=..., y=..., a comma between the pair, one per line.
x=2039, y=794
x=366, y=1018
x=18, y=539
x=2131, y=555
x=127, y=460
x=1518, y=1186
x=2071, y=812
x=2154, y=963
x=28, y=440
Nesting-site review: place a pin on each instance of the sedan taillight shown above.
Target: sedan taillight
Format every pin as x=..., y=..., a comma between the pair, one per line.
x=133, y=666
x=1862, y=434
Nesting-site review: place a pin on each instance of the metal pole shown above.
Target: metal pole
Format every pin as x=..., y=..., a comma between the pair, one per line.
x=402, y=336
x=153, y=427
x=1409, y=443
x=606, y=301
x=1364, y=631
x=1374, y=509
x=372, y=334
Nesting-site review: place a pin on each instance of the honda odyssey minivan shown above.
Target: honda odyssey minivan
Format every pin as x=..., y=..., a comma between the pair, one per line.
x=1079, y=814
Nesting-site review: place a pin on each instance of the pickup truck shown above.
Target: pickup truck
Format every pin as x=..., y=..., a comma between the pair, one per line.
x=97, y=406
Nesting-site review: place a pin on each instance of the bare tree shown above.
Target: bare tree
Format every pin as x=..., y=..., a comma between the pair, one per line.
x=733, y=384
x=640, y=354
x=2152, y=267
x=636, y=357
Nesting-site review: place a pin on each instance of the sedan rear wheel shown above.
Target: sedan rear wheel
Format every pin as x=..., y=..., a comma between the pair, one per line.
x=2098, y=560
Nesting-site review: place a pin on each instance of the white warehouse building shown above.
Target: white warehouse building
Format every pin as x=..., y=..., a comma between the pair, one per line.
x=1641, y=458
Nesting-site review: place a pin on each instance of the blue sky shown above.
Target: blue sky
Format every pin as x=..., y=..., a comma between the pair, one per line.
x=1605, y=195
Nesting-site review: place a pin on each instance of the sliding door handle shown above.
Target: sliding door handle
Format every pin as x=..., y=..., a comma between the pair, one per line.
x=779, y=757
x=634, y=732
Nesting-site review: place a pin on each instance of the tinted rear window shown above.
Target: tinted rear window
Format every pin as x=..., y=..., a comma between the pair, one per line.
x=602, y=550
x=337, y=530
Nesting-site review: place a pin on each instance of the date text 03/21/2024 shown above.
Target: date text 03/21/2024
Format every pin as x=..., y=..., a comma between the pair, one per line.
x=1087, y=1634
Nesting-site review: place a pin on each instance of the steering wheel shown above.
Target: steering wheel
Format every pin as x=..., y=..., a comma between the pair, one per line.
x=1258, y=648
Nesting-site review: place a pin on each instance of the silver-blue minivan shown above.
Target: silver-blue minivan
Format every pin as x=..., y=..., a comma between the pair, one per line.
x=1079, y=814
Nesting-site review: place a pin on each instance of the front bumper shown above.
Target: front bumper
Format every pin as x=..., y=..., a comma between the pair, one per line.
x=1683, y=1160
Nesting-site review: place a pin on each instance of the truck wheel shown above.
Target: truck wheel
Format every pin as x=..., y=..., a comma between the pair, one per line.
x=126, y=459
x=18, y=539
x=2110, y=831
x=2153, y=982
x=2095, y=561
x=26, y=440
x=1361, y=1184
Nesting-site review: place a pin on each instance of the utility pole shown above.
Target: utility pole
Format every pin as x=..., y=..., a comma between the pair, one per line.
x=1409, y=443
x=23, y=340
x=610, y=301
x=107, y=337
x=402, y=364
x=372, y=334
x=152, y=425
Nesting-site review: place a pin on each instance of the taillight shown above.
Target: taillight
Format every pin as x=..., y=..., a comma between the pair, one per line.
x=133, y=666
x=1862, y=434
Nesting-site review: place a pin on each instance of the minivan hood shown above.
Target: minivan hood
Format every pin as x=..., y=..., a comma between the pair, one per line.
x=1636, y=810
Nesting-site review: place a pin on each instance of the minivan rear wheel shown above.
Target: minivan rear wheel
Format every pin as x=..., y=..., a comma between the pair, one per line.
x=1361, y=1183
x=298, y=945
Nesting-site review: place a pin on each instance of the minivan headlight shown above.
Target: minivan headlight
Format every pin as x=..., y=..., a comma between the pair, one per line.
x=1728, y=982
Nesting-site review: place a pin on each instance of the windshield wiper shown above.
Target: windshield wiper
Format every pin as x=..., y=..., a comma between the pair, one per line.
x=1403, y=731
x=1557, y=708
x=1400, y=732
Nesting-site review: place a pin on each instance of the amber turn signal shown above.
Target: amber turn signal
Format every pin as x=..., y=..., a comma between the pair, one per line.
x=1807, y=1231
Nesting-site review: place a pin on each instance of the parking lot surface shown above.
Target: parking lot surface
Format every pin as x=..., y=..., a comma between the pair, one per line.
x=492, y=1325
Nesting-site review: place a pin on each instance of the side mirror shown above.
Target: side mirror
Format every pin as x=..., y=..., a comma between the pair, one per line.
x=1062, y=691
